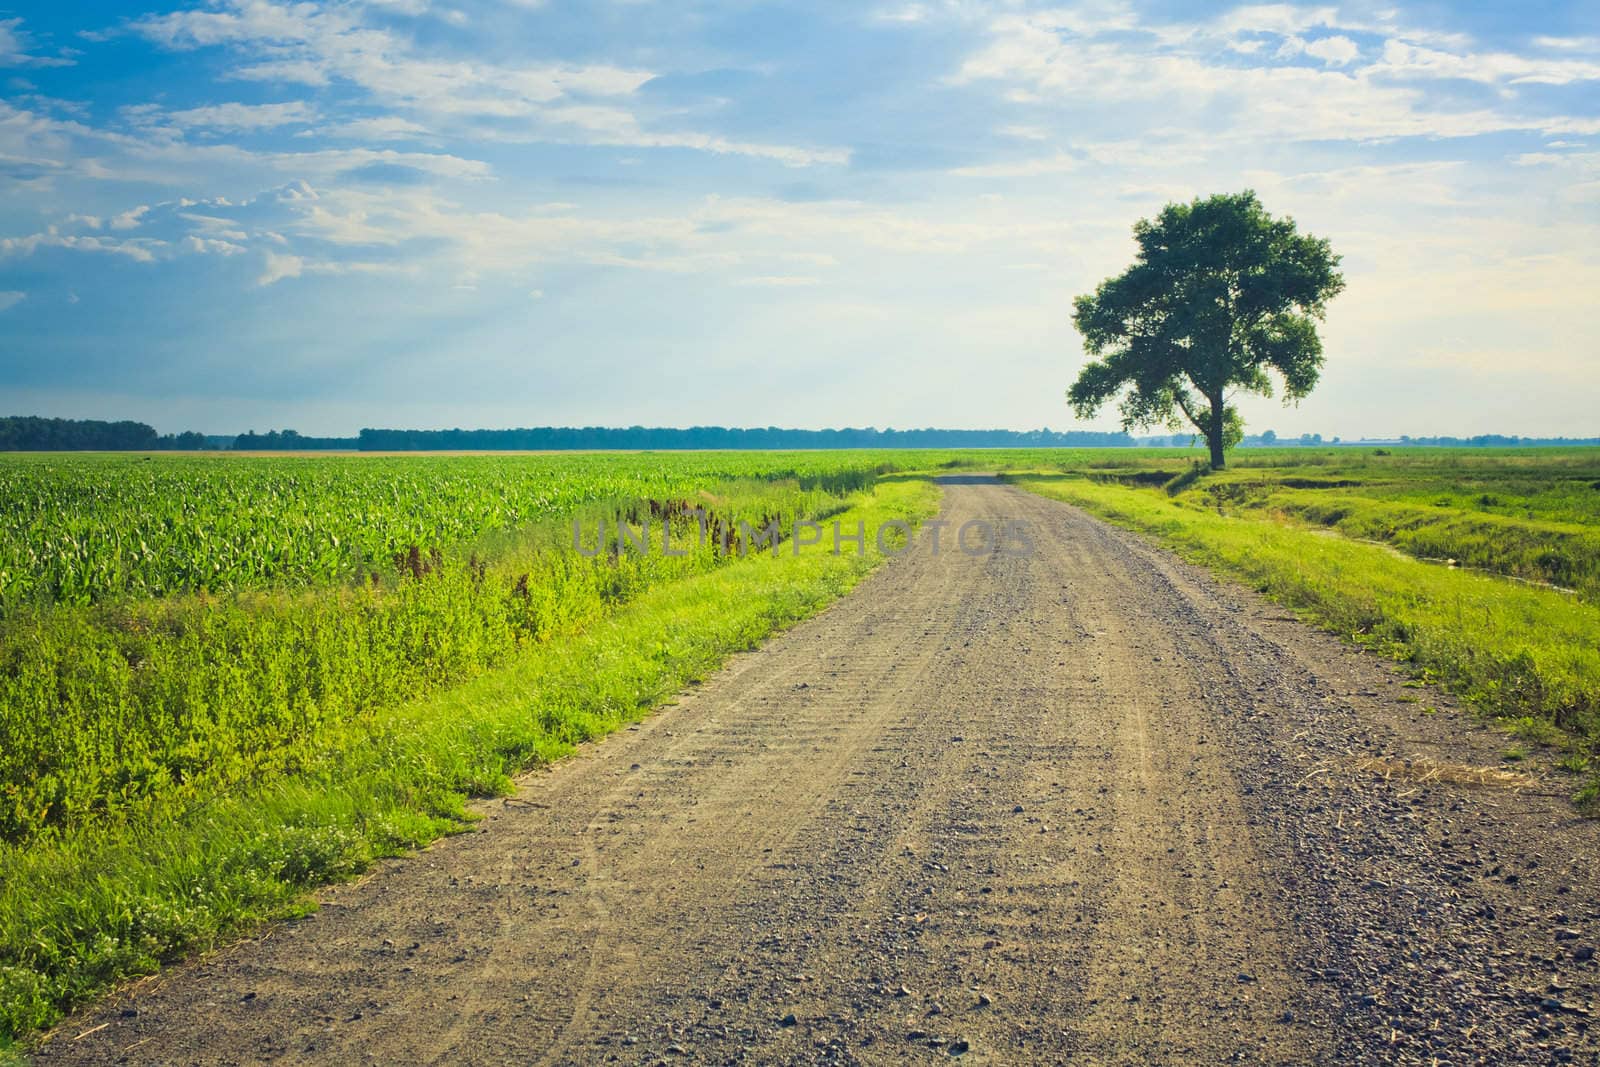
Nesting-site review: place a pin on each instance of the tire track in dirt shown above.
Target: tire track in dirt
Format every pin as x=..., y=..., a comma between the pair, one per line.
x=1022, y=810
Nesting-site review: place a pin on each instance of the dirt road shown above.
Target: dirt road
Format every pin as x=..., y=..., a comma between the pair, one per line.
x=1089, y=806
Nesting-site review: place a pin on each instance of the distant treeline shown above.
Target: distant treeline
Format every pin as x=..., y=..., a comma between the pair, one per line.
x=1266, y=439
x=1493, y=440
x=288, y=441
x=1270, y=439
x=28, y=433
x=555, y=438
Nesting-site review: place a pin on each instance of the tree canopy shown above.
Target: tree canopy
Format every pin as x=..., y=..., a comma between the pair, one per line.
x=29, y=433
x=1219, y=294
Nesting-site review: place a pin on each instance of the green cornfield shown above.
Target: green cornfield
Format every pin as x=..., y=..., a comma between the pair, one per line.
x=81, y=529
x=178, y=626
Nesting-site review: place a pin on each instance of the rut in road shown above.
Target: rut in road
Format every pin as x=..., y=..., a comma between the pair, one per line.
x=1019, y=808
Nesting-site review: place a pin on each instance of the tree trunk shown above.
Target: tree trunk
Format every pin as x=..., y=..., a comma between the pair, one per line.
x=1214, y=432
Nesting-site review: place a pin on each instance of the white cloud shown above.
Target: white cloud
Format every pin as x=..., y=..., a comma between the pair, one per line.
x=1337, y=51
x=176, y=228
x=243, y=20
x=11, y=46
x=54, y=148
x=1283, y=19
x=141, y=251
x=1253, y=22
x=212, y=227
x=1586, y=162
x=240, y=118
x=129, y=219
x=906, y=13
x=10, y=298
x=319, y=164
x=1060, y=163
x=278, y=267
x=1569, y=44
x=301, y=42
x=16, y=47
x=1193, y=74
x=209, y=246
x=377, y=128
x=289, y=71
x=551, y=102
x=758, y=240
x=1433, y=184
x=1578, y=172
x=1401, y=58
x=403, y=7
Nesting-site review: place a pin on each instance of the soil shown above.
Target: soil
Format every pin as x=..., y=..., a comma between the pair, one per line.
x=1090, y=805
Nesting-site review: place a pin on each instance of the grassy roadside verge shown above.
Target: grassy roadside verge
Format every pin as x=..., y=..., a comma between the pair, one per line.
x=1526, y=656
x=104, y=903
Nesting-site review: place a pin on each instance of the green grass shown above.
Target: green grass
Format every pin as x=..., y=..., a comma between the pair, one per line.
x=103, y=900
x=1532, y=514
x=1525, y=655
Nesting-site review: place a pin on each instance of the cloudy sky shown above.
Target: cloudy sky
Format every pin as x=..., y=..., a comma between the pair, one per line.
x=342, y=213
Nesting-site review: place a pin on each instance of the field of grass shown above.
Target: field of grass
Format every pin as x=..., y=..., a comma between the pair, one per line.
x=1532, y=514
x=1481, y=569
x=224, y=680
x=174, y=766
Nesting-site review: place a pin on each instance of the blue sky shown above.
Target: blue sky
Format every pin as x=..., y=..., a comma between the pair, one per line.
x=342, y=213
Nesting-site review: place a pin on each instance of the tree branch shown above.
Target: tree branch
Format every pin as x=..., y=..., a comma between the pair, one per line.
x=1184, y=404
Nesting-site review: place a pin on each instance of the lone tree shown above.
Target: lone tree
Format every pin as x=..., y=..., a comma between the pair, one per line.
x=1219, y=294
